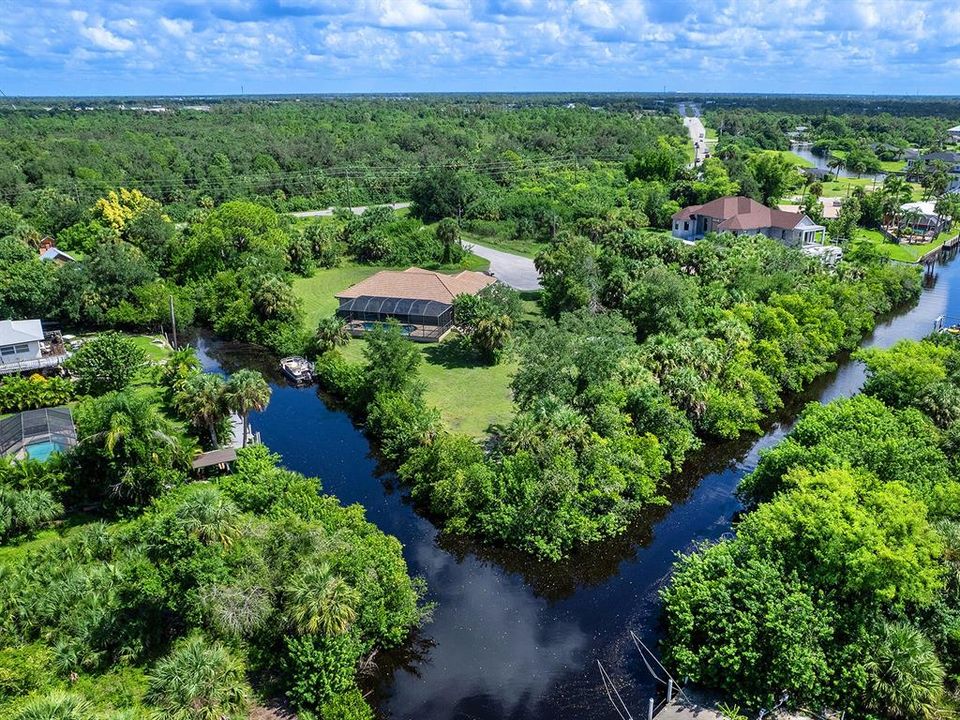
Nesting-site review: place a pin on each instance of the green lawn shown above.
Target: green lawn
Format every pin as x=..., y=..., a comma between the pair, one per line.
x=902, y=251
x=469, y=394
x=842, y=187
x=887, y=166
x=317, y=292
x=155, y=351
x=793, y=158
x=500, y=241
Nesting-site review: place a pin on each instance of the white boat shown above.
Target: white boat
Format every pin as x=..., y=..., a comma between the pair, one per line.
x=297, y=369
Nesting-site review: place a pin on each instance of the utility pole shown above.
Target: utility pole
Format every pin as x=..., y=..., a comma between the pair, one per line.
x=173, y=323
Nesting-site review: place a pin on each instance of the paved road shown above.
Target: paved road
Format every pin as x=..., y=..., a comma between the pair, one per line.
x=698, y=136
x=514, y=270
x=359, y=210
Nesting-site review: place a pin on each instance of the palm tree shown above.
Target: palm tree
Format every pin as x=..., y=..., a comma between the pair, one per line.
x=132, y=439
x=320, y=602
x=179, y=368
x=905, y=676
x=448, y=233
x=835, y=163
x=203, y=401
x=246, y=390
x=331, y=333
x=57, y=705
x=492, y=334
x=199, y=680
x=208, y=515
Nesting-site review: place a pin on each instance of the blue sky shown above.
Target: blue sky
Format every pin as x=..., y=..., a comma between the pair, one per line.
x=95, y=47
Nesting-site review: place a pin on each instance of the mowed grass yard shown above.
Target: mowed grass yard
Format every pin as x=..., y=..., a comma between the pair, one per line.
x=903, y=251
x=469, y=394
x=317, y=292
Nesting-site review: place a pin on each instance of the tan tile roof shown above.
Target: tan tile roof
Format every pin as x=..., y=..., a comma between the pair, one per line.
x=419, y=284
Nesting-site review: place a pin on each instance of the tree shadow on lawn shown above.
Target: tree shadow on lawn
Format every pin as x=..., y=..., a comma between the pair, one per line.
x=454, y=353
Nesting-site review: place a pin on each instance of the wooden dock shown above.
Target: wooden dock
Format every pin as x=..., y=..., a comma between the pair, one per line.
x=685, y=711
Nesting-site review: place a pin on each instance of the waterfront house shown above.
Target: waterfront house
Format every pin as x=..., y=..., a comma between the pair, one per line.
x=420, y=300
x=916, y=222
x=950, y=160
x=24, y=346
x=743, y=216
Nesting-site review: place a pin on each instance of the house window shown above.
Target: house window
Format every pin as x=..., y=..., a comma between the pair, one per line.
x=8, y=351
x=686, y=225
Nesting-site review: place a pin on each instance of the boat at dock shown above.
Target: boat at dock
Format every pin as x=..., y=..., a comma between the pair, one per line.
x=297, y=370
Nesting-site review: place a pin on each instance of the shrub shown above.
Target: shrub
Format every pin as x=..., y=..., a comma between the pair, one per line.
x=400, y=422
x=56, y=705
x=106, y=363
x=342, y=378
x=348, y=705
x=199, y=680
x=19, y=393
x=321, y=668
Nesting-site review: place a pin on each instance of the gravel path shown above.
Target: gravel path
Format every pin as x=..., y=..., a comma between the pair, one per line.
x=514, y=270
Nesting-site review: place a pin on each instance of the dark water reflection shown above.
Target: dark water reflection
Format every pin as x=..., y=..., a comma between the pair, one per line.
x=516, y=638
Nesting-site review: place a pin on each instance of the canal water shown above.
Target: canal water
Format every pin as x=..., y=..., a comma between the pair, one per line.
x=511, y=637
x=804, y=151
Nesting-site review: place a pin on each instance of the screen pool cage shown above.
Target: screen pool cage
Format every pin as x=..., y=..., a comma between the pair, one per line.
x=424, y=320
x=54, y=425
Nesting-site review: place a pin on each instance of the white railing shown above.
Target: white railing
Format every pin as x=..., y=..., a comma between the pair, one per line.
x=7, y=368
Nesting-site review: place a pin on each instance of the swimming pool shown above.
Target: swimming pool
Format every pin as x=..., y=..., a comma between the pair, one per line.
x=405, y=329
x=43, y=450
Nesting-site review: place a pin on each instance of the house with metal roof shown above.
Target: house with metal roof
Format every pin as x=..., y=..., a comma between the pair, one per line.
x=25, y=347
x=420, y=300
x=744, y=216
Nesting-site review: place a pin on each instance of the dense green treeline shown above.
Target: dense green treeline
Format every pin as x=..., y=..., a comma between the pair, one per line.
x=334, y=152
x=840, y=587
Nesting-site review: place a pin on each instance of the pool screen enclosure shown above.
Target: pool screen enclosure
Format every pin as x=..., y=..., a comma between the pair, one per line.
x=32, y=427
x=420, y=319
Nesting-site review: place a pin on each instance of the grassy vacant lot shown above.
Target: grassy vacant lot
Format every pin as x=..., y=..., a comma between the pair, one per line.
x=317, y=292
x=469, y=394
x=502, y=241
x=902, y=251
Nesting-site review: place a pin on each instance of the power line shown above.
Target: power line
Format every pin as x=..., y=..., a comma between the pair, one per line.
x=356, y=172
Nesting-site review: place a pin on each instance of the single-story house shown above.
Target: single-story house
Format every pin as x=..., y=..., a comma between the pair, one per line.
x=829, y=207
x=818, y=174
x=950, y=159
x=918, y=218
x=954, y=133
x=37, y=434
x=24, y=346
x=50, y=251
x=420, y=300
x=743, y=216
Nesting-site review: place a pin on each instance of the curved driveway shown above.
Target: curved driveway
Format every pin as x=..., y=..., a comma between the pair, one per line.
x=514, y=270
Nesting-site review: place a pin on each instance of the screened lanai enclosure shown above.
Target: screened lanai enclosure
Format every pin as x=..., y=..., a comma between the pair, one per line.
x=37, y=434
x=423, y=320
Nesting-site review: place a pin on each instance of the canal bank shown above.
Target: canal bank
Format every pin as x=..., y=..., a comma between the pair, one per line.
x=513, y=637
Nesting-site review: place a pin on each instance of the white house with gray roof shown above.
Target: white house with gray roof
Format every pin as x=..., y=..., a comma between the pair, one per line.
x=25, y=347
